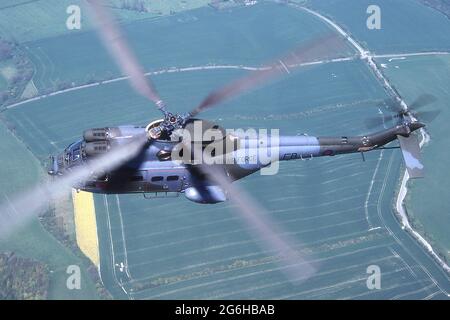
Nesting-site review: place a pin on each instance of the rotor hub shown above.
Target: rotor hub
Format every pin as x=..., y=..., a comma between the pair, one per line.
x=172, y=122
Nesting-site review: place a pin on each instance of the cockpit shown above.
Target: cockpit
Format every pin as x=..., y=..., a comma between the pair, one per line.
x=72, y=154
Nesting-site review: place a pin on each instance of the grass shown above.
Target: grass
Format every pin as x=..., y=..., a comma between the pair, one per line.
x=427, y=202
x=3, y=83
x=178, y=249
x=18, y=171
x=7, y=72
x=164, y=7
x=25, y=21
x=192, y=38
x=205, y=251
x=406, y=26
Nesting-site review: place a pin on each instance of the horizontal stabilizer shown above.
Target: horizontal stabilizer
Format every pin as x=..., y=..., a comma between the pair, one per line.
x=411, y=155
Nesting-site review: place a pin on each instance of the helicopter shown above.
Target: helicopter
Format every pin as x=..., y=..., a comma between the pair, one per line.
x=154, y=171
x=184, y=154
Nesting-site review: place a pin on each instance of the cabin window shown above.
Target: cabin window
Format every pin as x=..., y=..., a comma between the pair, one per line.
x=172, y=178
x=137, y=178
x=158, y=178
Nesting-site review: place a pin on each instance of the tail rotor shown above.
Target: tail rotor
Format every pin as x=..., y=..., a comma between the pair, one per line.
x=399, y=113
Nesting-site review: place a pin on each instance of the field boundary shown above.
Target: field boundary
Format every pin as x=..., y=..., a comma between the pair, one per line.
x=170, y=70
x=369, y=58
x=220, y=67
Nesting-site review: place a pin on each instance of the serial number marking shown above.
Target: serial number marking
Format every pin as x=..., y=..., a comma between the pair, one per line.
x=231, y=309
x=250, y=309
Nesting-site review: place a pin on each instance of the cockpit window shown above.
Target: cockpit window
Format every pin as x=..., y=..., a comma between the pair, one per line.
x=76, y=154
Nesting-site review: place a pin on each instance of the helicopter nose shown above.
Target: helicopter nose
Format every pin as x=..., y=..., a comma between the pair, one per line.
x=54, y=167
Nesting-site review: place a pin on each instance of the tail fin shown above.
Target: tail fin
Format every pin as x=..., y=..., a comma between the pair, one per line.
x=411, y=155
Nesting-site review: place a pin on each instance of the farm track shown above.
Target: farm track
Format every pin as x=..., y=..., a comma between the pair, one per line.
x=369, y=58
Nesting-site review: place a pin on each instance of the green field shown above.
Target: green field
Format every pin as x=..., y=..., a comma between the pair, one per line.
x=25, y=21
x=19, y=169
x=186, y=39
x=339, y=209
x=3, y=83
x=406, y=25
x=427, y=199
x=7, y=71
x=167, y=240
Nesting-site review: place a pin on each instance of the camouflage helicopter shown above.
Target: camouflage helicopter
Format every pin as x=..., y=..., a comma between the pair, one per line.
x=153, y=171
x=158, y=160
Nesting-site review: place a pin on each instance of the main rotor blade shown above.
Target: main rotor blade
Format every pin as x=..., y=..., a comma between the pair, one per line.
x=23, y=206
x=313, y=51
x=115, y=42
x=294, y=265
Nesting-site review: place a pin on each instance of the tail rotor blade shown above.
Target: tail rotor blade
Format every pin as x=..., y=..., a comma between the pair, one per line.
x=427, y=116
x=394, y=106
x=422, y=101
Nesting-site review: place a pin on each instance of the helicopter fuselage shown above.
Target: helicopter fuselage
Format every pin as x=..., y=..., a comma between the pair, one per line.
x=154, y=172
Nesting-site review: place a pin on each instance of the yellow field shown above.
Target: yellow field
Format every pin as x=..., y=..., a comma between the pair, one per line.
x=86, y=225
